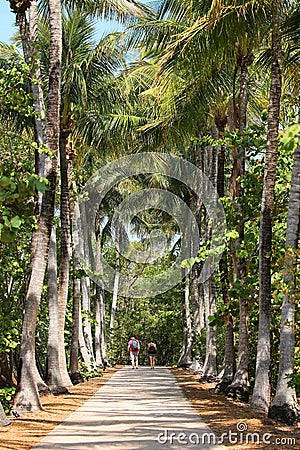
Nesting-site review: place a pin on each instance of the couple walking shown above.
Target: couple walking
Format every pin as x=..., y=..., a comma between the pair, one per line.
x=134, y=350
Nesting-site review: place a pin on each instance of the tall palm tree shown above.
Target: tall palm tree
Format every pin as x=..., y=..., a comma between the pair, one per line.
x=225, y=378
x=27, y=397
x=261, y=392
x=28, y=33
x=84, y=65
x=284, y=407
x=75, y=375
x=209, y=158
x=285, y=35
x=85, y=68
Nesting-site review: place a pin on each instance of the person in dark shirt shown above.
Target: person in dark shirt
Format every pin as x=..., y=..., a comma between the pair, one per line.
x=152, y=350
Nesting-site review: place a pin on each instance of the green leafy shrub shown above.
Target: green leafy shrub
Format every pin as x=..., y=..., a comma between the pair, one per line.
x=87, y=374
x=6, y=396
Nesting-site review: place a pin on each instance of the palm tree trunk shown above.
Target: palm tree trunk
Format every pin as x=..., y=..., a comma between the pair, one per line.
x=196, y=295
x=75, y=375
x=84, y=345
x=284, y=407
x=85, y=333
x=210, y=161
x=100, y=329
x=261, y=392
x=56, y=369
x=29, y=37
x=36, y=88
x=185, y=359
x=116, y=285
x=228, y=369
x=197, y=302
x=100, y=335
x=198, y=317
x=65, y=254
x=239, y=388
x=20, y=8
x=53, y=376
x=210, y=363
x=57, y=375
x=244, y=62
x=27, y=398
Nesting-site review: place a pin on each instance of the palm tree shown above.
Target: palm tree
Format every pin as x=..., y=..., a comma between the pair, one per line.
x=208, y=157
x=29, y=375
x=261, y=392
x=284, y=407
x=285, y=32
x=178, y=105
x=29, y=38
x=85, y=69
x=75, y=375
x=27, y=397
x=225, y=378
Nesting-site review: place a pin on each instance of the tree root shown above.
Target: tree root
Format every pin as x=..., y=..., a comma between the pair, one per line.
x=43, y=390
x=184, y=365
x=222, y=385
x=207, y=379
x=287, y=414
x=58, y=390
x=238, y=392
x=76, y=378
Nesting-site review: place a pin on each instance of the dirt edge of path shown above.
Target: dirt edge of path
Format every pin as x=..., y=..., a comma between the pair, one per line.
x=242, y=428
x=30, y=428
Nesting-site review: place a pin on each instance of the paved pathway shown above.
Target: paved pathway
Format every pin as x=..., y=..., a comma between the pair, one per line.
x=135, y=409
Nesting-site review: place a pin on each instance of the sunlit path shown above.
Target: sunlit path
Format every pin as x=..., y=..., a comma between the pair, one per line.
x=135, y=409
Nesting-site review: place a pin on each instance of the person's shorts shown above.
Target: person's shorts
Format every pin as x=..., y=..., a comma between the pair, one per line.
x=134, y=355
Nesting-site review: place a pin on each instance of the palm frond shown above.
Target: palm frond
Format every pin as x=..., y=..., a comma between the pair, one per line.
x=120, y=10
